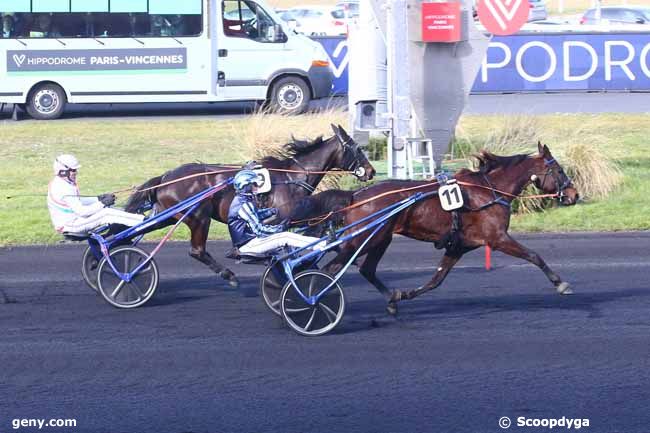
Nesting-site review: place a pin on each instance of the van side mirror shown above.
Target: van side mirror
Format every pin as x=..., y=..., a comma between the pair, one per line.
x=640, y=21
x=279, y=35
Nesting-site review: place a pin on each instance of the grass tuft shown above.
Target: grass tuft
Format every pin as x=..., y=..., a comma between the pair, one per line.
x=595, y=173
x=264, y=133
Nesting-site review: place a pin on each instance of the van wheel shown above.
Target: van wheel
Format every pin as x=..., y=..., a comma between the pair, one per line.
x=46, y=102
x=290, y=95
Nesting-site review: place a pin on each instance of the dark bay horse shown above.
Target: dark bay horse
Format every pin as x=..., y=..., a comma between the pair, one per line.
x=484, y=219
x=338, y=152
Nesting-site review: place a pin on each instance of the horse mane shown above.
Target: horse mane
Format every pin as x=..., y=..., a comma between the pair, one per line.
x=488, y=162
x=293, y=149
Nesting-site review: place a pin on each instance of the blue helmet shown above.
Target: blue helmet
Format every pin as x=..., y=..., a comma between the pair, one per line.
x=245, y=179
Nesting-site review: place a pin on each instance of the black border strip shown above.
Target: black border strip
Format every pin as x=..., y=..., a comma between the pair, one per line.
x=11, y=94
x=245, y=83
x=167, y=92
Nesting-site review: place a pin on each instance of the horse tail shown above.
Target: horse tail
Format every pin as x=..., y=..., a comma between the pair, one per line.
x=321, y=204
x=141, y=198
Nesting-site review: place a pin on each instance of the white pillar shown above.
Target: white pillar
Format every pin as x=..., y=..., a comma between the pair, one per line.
x=398, y=86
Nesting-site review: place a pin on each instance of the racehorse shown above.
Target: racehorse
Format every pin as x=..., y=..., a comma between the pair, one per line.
x=305, y=167
x=484, y=219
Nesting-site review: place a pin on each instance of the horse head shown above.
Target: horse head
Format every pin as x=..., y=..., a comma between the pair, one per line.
x=551, y=178
x=350, y=156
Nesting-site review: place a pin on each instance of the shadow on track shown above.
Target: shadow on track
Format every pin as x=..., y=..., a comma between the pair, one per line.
x=368, y=314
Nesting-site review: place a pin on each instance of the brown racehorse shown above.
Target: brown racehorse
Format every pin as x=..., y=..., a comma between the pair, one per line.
x=484, y=219
x=338, y=152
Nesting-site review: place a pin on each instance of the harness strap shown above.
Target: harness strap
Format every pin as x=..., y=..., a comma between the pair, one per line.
x=300, y=183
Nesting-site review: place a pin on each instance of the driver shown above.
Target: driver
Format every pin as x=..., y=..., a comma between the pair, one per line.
x=73, y=213
x=247, y=232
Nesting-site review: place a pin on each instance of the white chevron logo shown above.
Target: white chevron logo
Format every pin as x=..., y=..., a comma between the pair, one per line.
x=19, y=59
x=338, y=70
x=503, y=11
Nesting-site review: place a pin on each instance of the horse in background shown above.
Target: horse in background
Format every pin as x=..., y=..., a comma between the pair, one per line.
x=305, y=166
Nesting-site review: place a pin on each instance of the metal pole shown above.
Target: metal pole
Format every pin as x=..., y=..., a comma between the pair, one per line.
x=399, y=86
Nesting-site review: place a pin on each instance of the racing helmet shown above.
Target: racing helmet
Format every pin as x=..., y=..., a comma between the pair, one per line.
x=65, y=163
x=244, y=180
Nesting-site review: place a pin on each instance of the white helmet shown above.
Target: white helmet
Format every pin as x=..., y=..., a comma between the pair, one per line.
x=65, y=163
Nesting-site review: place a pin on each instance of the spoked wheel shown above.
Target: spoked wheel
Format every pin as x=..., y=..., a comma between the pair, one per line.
x=89, y=267
x=132, y=294
x=271, y=284
x=317, y=319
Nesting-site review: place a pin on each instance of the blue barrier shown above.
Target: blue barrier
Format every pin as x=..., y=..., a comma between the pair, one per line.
x=551, y=62
x=337, y=50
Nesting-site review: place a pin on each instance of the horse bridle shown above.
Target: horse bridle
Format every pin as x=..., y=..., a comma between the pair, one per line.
x=498, y=199
x=354, y=166
x=561, y=187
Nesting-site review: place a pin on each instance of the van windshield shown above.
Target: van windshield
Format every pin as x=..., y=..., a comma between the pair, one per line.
x=246, y=19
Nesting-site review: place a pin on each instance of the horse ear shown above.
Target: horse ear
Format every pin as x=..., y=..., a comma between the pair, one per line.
x=540, y=149
x=343, y=132
x=338, y=134
x=546, y=151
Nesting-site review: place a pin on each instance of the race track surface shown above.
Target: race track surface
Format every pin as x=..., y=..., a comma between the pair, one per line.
x=203, y=358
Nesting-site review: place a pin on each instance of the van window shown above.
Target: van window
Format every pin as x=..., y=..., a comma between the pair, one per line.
x=245, y=19
x=100, y=18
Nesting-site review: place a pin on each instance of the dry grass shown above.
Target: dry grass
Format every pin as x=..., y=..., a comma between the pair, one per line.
x=266, y=133
x=594, y=172
x=509, y=136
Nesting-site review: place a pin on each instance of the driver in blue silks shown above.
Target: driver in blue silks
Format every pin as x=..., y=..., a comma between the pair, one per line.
x=247, y=231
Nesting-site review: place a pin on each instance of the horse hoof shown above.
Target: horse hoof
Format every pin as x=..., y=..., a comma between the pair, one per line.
x=564, y=289
x=391, y=308
x=234, y=282
x=396, y=296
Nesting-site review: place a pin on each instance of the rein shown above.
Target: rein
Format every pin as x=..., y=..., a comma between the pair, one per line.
x=134, y=189
x=354, y=168
x=319, y=219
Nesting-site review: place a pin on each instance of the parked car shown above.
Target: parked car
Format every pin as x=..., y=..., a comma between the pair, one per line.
x=617, y=15
x=317, y=20
x=538, y=10
x=350, y=8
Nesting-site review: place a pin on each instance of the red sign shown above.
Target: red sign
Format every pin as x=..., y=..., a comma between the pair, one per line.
x=503, y=17
x=441, y=22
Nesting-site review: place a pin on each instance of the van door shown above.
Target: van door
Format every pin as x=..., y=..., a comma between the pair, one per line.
x=251, y=50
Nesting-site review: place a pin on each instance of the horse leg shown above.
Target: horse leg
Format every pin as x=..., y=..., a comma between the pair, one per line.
x=198, y=251
x=369, y=271
x=448, y=261
x=509, y=246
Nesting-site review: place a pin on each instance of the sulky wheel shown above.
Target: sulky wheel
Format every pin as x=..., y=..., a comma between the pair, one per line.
x=271, y=283
x=317, y=319
x=89, y=265
x=132, y=294
x=273, y=280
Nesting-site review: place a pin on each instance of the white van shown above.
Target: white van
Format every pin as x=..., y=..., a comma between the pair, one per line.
x=132, y=51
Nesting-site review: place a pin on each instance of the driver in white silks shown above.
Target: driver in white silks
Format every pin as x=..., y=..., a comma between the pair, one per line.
x=247, y=231
x=73, y=213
